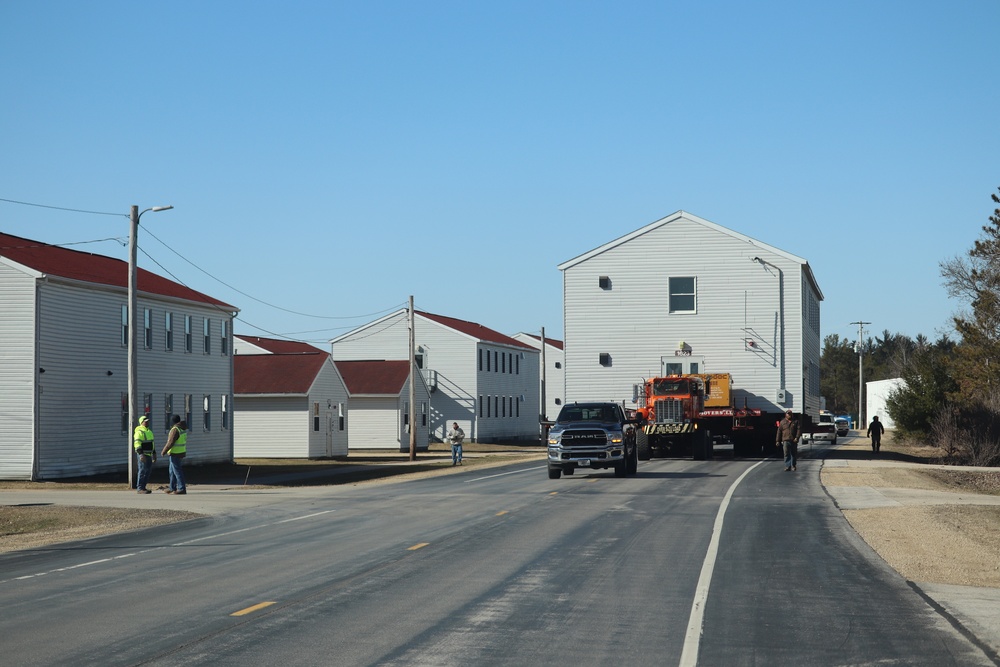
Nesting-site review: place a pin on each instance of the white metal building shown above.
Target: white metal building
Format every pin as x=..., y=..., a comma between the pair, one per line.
x=683, y=294
x=554, y=375
x=64, y=363
x=876, y=393
x=482, y=379
x=379, y=405
x=290, y=401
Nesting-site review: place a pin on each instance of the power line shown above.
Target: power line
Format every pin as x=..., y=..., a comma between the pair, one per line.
x=61, y=208
x=271, y=305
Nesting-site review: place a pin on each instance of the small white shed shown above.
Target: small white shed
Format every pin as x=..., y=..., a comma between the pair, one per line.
x=877, y=392
x=379, y=405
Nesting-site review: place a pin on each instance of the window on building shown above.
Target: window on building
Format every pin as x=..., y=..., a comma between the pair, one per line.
x=673, y=369
x=188, y=403
x=168, y=331
x=480, y=359
x=208, y=335
x=207, y=412
x=503, y=362
x=489, y=406
x=168, y=411
x=124, y=413
x=496, y=361
x=682, y=295
x=423, y=413
x=406, y=414
x=147, y=328
x=316, y=417
x=496, y=406
x=340, y=411
x=503, y=407
x=480, y=405
x=487, y=360
x=224, y=339
x=558, y=364
x=125, y=325
x=225, y=412
x=147, y=406
x=188, y=335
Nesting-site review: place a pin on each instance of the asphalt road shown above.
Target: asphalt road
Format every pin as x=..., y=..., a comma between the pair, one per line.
x=488, y=567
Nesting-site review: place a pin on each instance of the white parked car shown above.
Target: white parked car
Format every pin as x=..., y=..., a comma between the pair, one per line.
x=843, y=427
x=821, y=433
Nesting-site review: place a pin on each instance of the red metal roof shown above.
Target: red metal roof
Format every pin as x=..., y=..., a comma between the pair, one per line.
x=280, y=346
x=475, y=330
x=558, y=344
x=276, y=373
x=99, y=269
x=374, y=377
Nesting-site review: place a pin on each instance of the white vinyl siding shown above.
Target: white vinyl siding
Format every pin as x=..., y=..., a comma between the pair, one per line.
x=452, y=357
x=86, y=374
x=272, y=427
x=737, y=299
x=17, y=374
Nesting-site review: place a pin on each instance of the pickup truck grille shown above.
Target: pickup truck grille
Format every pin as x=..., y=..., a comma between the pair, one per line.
x=584, y=438
x=669, y=410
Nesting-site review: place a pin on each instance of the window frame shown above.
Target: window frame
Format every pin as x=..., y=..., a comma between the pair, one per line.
x=680, y=293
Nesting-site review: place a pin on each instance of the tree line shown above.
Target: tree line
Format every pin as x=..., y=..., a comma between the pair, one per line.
x=951, y=392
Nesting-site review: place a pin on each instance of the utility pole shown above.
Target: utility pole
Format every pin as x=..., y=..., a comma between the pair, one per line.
x=544, y=408
x=133, y=332
x=413, y=377
x=861, y=372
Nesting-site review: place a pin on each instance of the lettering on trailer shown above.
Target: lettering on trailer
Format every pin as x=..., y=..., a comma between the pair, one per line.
x=659, y=429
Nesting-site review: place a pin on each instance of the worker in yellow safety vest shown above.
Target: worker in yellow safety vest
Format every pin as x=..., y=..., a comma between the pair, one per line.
x=142, y=442
x=176, y=449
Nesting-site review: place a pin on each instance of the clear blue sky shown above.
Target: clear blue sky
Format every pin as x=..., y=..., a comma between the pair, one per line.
x=334, y=158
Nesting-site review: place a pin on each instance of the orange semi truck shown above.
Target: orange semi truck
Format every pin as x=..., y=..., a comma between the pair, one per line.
x=683, y=415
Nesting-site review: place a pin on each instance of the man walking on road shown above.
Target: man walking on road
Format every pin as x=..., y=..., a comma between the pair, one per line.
x=455, y=436
x=875, y=431
x=788, y=437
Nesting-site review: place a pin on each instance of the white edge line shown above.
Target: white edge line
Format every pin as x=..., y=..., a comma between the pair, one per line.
x=307, y=516
x=692, y=640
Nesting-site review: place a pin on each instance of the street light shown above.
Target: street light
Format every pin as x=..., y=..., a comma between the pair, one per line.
x=133, y=319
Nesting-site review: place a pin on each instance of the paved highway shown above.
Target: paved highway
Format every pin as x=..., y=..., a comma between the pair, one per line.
x=688, y=563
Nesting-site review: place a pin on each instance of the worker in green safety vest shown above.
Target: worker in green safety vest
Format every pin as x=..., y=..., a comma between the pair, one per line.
x=142, y=442
x=176, y=449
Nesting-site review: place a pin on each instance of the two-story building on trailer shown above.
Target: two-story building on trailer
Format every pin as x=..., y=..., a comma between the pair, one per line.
x=683, y=294
x=64, y=327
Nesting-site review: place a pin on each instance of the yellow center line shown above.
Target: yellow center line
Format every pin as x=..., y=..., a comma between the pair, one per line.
x=250, y=610
x=501, y=512
x=418, y=546
x=592, y=480
x=553, y=493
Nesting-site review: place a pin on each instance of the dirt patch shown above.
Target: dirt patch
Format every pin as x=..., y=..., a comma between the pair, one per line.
x=29, y=527
x=943, y=544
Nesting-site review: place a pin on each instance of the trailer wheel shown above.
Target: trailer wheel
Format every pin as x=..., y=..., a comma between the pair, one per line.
x=642, y=445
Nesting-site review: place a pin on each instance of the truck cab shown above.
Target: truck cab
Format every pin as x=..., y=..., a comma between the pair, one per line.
x=592, y=436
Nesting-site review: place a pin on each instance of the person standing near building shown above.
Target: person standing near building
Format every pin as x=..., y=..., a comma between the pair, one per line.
x=142, y=442
x=875, y=431
x=788, y=437
x=176, y=448
x=455, y=436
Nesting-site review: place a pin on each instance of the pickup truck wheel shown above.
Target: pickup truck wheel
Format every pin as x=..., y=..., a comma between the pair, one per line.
x=555, y=473
x=621, y=469
x=569, y=470
x=642, y=445
x=632, y=460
